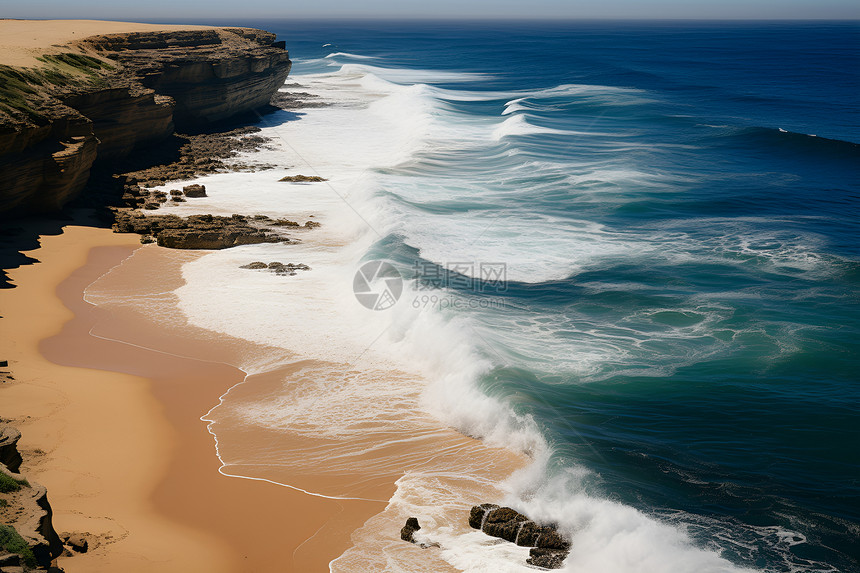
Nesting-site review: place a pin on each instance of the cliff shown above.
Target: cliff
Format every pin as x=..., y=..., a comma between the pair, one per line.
x=27, y=535
x=102, y=97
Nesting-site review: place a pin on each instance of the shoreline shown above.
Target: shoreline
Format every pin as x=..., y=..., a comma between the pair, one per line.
x=180, y=507
x=98, y=464
x=337, y=508
x=122, y=403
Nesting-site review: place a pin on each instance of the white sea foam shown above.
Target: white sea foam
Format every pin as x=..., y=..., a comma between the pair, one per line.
x=380, y=373
x=348, y=55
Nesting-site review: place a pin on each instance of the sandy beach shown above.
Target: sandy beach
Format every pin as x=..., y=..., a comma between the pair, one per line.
x=114, y=394
x=102, y=434
x=126, y=457
x=114, y=401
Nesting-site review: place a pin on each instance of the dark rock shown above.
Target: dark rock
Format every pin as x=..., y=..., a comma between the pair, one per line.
x=212, y=240
x=528, y=534
x=549, y=548
x=297, y=100
x=302, y=178
x=199, y=154
x=194, y=191
x=547, y=558
x=409, y=529
x=312, y=224
x=502, y=522
x=476, y=515
x=196, y=231
x=550, y=538
x=504, y=514
x=506, y=530
x=4, y=363
x=282, y=269
x=254, y=265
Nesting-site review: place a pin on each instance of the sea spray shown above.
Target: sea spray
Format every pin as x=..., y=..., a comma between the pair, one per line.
x=669, y=351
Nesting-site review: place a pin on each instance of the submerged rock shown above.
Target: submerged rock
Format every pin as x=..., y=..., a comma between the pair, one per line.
x=302, y=179
x=277, y=267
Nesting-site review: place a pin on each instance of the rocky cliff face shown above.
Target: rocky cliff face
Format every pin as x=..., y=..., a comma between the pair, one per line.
x=27, y=535
x=136, y=89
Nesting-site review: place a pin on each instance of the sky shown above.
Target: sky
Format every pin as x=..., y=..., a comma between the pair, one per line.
x=438, y=9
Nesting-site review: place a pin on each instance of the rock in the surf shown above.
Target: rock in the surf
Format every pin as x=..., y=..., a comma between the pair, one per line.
x=476, y=516
x=195, y=190
x=546, y=558
x=409, y=529
x=549, y=547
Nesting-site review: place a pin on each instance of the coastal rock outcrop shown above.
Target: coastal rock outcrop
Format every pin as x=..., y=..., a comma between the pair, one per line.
x=125, y=118
x=277, y=267
x=45, y=168
x=107, y=96
x=194, y=190
x=27, y=535
x=408, y=530
x=9, y=454
x=201, y=231
x=302, y=179
x=549, y=547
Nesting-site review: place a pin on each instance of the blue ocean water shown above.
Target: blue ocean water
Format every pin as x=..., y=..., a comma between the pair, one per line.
x=677, y=209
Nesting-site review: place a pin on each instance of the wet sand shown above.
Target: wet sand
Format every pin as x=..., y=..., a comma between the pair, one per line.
x=126, y=456
x=114, y=395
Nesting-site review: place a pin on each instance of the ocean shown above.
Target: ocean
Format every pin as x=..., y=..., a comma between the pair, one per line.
x=629, y=251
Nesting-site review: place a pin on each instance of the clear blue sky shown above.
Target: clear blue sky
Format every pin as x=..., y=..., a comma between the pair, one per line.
x=190, y=9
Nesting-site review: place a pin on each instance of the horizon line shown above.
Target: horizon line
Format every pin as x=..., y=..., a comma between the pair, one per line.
x=546, y=19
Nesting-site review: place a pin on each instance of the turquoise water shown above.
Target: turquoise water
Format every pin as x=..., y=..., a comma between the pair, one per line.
x=677, y=210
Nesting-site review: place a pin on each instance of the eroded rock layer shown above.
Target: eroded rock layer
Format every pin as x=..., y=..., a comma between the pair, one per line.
x=126, y=91
x=27, y=535
x=549, y=548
